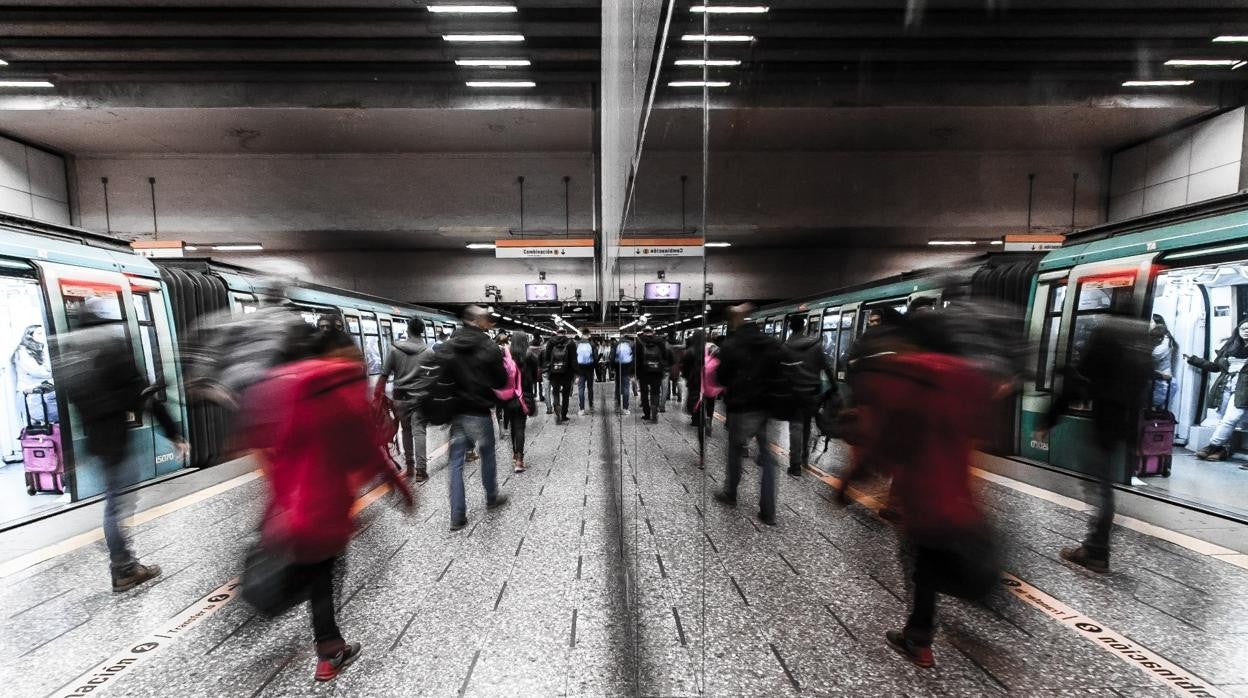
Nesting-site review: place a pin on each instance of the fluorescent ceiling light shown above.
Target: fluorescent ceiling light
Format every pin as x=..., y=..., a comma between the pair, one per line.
x=1209, y=251
x=1230, y=39
x=959, y=243
x=718, y=38
x=484, y=38
x=712, y=63
x=25, y=83
x=1202, y=62
x=718, y=244
x=1239, y=65
x=189, y=248
x=480, y=246
x=493, y=62
x=730, y=9
x=501, y=83
x=3, y=62
x=473, y=9
x=250, y=247
x=997, y=242
x=698, y=83
x=1157, y=83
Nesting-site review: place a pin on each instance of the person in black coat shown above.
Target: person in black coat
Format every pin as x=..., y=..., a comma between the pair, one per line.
x=104, y=382
x=653, y=363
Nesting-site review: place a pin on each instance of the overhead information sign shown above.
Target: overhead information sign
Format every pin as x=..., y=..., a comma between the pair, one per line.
x=559, y=248
x=661, y=247
x=157, y=248
x=1033, y=242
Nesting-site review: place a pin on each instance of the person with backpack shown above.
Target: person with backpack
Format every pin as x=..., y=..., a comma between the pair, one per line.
x=101, y=378
x=518, y=397
x=309, y=424
x=651, y=367
x=560, y=358
x=749, y=365
x=404, y=364
x=586, y=365
x=805, y=367
x=622, y=358
x=469, y=370
x=923, y=409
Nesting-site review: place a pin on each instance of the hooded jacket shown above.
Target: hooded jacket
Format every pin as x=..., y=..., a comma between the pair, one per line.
x=748, y=361
x=807, y=352
x=403, y=364
x=476, y=363
x=565, y=345
x=920, y=415
x=652, y=345
x=312, y=420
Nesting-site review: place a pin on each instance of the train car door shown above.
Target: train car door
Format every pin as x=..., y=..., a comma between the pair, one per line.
x=1044, y=328
x=72, y=290
x=1094, y=292
x=370, y=340
x=157, y=344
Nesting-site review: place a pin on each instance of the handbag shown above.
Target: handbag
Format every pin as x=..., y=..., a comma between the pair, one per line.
x=269, y=582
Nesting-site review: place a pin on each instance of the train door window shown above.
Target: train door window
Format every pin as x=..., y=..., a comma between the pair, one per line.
x=353, y=329
x=1097, y=299
x=846, y=338
x=25, y=370
x=147, y=337
x=246, y=303
x=814, y=323
x=387, y=338
x=84, y=300
x=371, y=344
x=830, y=335
x=1055, y=294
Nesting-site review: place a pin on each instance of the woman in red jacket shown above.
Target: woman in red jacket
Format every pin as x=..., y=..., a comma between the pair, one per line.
x=311, y=424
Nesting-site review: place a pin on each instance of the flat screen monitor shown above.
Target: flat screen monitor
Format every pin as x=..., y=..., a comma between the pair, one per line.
x=538, y=293
x=662, y=291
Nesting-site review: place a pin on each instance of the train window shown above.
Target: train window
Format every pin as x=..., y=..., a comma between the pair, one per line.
x=1097, y=299
x=83, y=299
x=353, y=324
x=846, y=336
x=371, y=345
x=830, y=335
x=147, y=337
x=387, y=336
x=1056, y=294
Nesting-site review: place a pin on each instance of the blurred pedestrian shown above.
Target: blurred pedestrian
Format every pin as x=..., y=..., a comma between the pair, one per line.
x=699, y=365
x=474, y=366
x=559, y=363
x=405, y=364
x=921, y=412
x=1113, y=369
x=310, y=425
x=521, y=403
x=102, y=379
x=749, y=362
x=808, y=370
x=652, y=364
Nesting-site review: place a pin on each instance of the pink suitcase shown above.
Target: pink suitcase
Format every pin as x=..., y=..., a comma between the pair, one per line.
x=1156, y=447
x=41, y=455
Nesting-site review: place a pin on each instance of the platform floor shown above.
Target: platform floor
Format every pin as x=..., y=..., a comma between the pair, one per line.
x=612, y=573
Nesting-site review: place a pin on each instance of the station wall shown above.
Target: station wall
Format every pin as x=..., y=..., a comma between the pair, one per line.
x=32, y=183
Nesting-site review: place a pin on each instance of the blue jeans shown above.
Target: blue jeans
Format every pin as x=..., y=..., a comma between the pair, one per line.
x=117, y=507
x=585, y=379
x=742, y=427
x=477, y=429
x=623, y=382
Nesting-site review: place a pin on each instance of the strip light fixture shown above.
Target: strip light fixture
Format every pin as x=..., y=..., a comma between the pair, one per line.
x=26, y=83
x=249, y=247
x=1230, y=39
x=473, y=9
x=730, y=9
x=493, y=62
x=951, y=243
x=1157, y=83
x=710, y=63
x=483, y=38
x=3, y=62
x=699, y=83
x=717, y=244
x=718, y=38
x=501, y=83
x=1202, y=62
x=480, y=245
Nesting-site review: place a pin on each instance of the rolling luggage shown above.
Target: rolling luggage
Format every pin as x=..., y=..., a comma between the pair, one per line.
x=41, y=451
x=1156, y=446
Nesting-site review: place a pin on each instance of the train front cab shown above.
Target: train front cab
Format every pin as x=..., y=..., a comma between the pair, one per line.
x=1200, y=296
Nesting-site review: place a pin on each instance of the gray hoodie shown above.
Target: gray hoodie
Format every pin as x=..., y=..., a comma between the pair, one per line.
x=403, y=363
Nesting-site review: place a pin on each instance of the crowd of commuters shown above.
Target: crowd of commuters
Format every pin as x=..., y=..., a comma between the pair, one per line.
x=320, y=434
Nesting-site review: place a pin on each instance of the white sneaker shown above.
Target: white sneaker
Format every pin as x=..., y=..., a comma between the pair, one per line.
x=580, y=413
x=626, y=412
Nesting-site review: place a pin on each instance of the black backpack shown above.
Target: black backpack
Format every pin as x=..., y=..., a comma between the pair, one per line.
x=435, y=392
x=652, y=358
x=559, y=360
x=804, y=382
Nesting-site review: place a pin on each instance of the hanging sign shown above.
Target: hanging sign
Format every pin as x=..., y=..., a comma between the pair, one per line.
x=1029, y=242
x=661, y=247
x=558, y=248
x=157, y=248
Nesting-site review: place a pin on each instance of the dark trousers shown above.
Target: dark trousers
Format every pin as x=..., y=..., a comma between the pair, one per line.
x=744, y=427
x=920, y=627
x=650, y=396
x=622, y=381
x=585, y=381
x=1102, y=490
x=601, y=372
x=561, y=391
x=799, y=438
x=518, y=423
x=319, y=578
x=703, y=417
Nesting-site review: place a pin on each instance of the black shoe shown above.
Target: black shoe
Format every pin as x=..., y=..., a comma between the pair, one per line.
x=795, y=471
x=456, y=525
x=134, y=576
x=1080, y=556
x=499, y=500
x=725, y=498
x=770, y=521
x=919, y=655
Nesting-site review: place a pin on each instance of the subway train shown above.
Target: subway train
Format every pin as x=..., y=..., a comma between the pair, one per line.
x=48, y=273
x=1183, y=270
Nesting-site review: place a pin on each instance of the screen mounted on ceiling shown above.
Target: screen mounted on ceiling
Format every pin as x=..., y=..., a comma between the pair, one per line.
x=662, y=291
x=539, y=293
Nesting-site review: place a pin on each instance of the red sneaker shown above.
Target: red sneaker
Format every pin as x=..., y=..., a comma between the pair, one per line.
x=920, y=655
x=328, y=669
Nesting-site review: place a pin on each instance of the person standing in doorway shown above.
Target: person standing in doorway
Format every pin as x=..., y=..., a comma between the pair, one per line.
x=749, y=362
x=405, y=364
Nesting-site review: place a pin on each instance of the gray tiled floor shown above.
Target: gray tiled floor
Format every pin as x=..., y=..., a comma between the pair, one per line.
x=612, y=573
